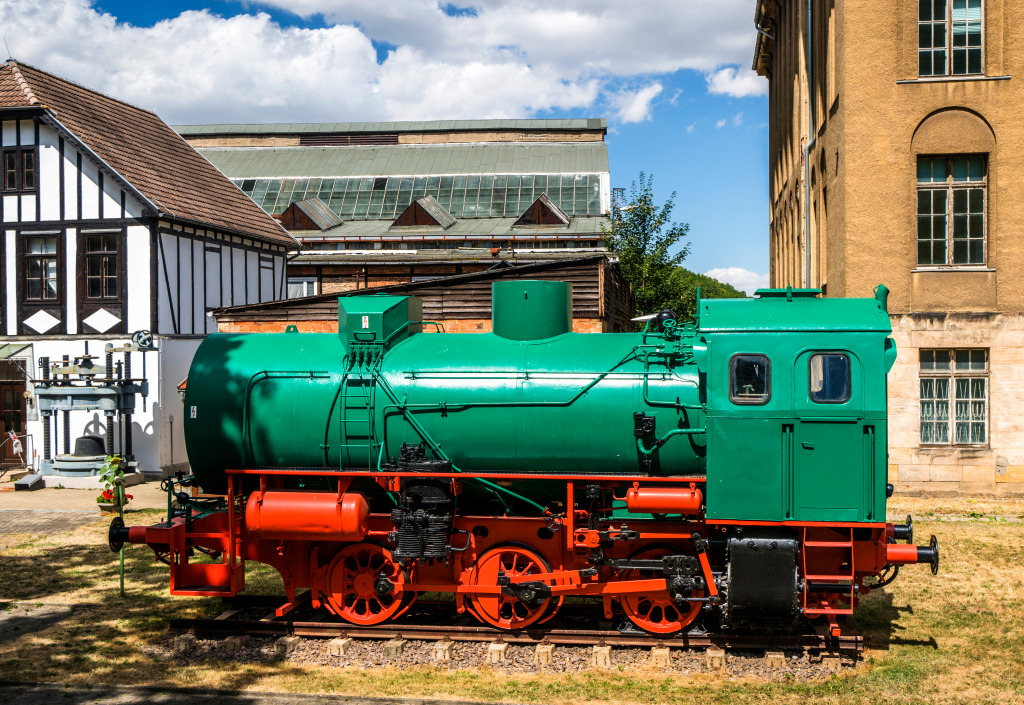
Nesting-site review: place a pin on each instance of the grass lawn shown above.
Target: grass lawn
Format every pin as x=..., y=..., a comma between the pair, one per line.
x=954, y=638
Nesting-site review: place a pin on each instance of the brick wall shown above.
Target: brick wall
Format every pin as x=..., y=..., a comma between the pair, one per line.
x=456, y=325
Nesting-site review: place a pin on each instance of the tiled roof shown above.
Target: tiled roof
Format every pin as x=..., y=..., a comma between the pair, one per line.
x=143, y=150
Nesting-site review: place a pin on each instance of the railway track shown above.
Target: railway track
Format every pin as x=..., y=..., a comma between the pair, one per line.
x=238, y=619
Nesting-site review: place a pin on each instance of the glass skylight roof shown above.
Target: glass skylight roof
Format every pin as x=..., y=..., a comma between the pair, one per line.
x=471, y=196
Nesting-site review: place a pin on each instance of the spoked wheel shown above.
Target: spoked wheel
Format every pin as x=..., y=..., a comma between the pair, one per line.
x=352, y=585
x=657, y=612
x=505, y=611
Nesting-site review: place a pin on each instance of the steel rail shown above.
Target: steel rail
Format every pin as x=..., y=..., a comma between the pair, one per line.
x=566, y=637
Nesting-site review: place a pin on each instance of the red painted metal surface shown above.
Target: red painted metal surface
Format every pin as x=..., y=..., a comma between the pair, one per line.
x=329, y=542
x=900, y=553
x=307, y=516
x=665, y=500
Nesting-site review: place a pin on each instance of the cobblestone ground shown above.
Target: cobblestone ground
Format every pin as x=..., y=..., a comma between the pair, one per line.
x=55, y=510
x=50, y=694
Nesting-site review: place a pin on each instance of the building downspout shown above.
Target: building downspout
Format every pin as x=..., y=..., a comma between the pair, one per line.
x=811, y=138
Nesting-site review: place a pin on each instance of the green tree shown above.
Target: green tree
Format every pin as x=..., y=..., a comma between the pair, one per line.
x=709, y=289
x=647, y=242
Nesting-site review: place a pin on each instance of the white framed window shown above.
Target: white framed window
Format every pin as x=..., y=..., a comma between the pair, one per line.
x=950, y=37
x=951, y=210
x=301, y=286
x=954, y=397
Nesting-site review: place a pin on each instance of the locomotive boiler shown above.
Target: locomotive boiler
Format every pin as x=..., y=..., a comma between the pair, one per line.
x=729, y=471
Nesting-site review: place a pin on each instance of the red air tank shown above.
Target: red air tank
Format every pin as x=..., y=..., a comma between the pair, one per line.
x=664, y=500
x=307, y=516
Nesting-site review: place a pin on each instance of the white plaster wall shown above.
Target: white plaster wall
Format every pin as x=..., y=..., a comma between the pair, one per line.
x=266, y=283
x=10, y=283
x=175, y=360
x=10, y=209
x=138, y=271
x=184, y=303
x=198, y=281
x=70, y=182
x=238, y=257
x=252, y=263
x=49, y=174
x=90, y=190
x=28, y=208
x=164, y=295
x=28, y=133
x=111, y=197
x=71, y=289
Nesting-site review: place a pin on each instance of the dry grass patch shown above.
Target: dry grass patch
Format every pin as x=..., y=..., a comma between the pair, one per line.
x=954, y=638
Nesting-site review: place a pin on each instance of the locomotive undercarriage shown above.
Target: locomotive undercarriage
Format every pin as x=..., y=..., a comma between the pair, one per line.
x=666, y=574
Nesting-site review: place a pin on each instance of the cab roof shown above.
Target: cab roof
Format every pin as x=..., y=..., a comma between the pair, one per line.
x=792, y=310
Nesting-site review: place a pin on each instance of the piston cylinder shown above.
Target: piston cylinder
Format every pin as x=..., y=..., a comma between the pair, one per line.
x=664, y=500
x=308, y=516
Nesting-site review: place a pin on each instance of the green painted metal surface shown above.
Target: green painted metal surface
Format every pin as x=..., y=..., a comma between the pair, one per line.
x=531, y=310
x=791, y=458
x=523, y=401
x=562, y=404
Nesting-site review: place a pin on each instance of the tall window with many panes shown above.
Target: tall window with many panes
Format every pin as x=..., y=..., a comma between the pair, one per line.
x=101, y=271
x=41, y=269
x=951, y=196
x=954, y=397
x=950, y=37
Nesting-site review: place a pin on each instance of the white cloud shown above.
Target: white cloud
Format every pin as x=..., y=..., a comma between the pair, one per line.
x=692, y=126
x=720, y=124
x=737, y=119
x=507, y=58
x=635, y=106
x=738, y=83
x=742, y=279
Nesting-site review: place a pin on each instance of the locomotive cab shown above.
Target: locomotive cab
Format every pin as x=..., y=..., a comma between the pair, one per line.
x=796, y=407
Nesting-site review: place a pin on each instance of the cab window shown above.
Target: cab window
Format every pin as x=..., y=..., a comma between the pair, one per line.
x=829, y=378
x=750, y=379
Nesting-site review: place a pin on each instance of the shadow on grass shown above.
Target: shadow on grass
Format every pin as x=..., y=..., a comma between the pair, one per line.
x=877, y=620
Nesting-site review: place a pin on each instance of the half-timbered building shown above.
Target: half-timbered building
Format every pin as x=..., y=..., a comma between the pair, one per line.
x=111, y=223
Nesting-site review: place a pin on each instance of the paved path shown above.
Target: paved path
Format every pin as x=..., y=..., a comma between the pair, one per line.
x=51, y=693
x=53, y=510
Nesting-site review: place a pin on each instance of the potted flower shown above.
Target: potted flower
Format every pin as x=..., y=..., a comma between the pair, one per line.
x=110, y=500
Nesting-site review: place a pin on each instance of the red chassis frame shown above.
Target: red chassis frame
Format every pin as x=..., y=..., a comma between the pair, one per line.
x=831, y=553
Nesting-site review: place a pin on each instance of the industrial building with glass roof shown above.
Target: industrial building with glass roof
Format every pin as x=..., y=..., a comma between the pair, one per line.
x=363, y=190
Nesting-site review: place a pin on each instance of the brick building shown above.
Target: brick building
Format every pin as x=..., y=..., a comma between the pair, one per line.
x=895, y=141
x=602, y=301
x=378, y=203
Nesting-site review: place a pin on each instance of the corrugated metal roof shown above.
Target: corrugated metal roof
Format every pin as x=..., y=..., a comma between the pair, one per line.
x=434, y=209
x=410, y=160
x=319, y=213
x=466, y=227
x=298, y=128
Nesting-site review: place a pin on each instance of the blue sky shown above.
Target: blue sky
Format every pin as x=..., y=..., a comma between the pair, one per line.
x=671, y=76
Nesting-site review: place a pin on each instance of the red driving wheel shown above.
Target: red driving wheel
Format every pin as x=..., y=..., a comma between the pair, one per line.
x=505, y=611
x=657, y=612
x=352, y=580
